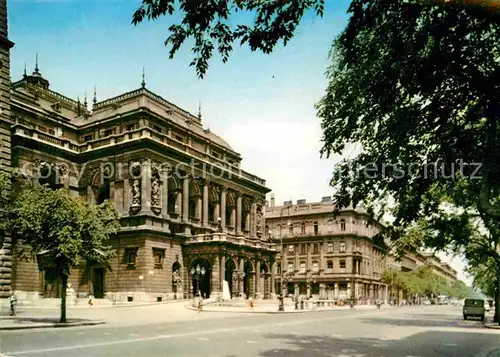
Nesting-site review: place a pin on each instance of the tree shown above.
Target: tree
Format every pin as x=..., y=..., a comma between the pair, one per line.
x=62, y=230
x=213, y=26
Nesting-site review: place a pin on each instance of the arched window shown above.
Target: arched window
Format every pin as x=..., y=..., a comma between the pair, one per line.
x=342, y=225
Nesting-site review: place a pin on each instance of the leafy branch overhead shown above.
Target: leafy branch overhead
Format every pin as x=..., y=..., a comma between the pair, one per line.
x=208, y=23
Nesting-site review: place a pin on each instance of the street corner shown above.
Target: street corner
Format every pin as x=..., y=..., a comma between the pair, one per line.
x=493, y=325
x=26, y=322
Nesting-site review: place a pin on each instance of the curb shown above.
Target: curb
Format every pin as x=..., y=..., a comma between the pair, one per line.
x=47, y=324
x=112, y=306
x=494, y=326
x=189, y=307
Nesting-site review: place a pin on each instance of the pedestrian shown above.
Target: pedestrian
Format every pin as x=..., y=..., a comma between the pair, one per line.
x=13, y=304
x=70, y=293
x=200, y=304
x=91, y=299
x=250, y=302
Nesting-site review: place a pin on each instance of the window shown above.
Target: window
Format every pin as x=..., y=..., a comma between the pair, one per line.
x=315, y=267
x=330, y=248
x=329, y=265
x=157, y=128
x=342, y=225
x=290, y=267
x=290, y=230
x=302, y=269
x=278, y=268
x=303, y=249
x=108, y=132
x=158, y=256
x=342, y=266
x=131, y=257
x=316, y=230
x=52, y=131
x=290, y=249
x=180, y=138
x=342, y=247
x=302, y=228
x=130, y=127
x=316, y=248
x=278, y=231
x=87, y=138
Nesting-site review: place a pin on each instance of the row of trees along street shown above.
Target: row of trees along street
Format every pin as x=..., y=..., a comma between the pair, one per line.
x=413, y=84
x=54, y=228
x=422, y=284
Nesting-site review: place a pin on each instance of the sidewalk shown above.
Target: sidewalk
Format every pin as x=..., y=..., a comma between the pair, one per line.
x=55, y=304
x=32, y=322
x=273, y=309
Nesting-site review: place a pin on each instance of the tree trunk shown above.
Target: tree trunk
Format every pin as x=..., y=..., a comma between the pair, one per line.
x=63, y=297
x=496, y=317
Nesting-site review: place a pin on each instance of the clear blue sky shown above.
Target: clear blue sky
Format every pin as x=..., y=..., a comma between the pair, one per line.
x=262, y=105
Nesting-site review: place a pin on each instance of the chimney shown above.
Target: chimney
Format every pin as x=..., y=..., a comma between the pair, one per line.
x=301, y=202
x=272, y=200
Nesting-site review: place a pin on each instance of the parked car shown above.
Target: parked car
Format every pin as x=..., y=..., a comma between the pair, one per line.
x=474, y=308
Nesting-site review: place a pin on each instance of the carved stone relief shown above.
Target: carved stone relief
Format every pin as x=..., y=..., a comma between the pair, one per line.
x=258, y=222
x=155, y=195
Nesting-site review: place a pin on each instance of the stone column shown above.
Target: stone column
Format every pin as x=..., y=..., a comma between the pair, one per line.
x=199, y=209
x=90, y=195
x=336, y=291
x=215, y=281
x=165, y=192
x=126, y=196
x=205, y=204
x=238, y=214
x=222, y=272
x=223, y=207
x=178, y=203
x=321, y=256
x=233, y=218
x=253, y=220
x=257, y=277
x=146, y=186
x=349, y=292
x=309, y=258
x=185, y=199
x=242, y=269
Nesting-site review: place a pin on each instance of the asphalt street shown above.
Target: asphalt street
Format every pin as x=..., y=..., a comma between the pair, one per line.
x=432, y=331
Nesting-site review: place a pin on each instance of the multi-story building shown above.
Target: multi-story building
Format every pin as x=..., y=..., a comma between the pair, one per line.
x=440, y=268
x=5, y=158
x=192, y=219
x=325, y=255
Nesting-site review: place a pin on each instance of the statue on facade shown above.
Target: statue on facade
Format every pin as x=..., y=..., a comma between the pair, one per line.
x=258, y=220
x=155, y=194
x=177, y=282
x=136, y=194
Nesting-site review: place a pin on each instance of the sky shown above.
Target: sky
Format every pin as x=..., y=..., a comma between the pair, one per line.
x=263, y=105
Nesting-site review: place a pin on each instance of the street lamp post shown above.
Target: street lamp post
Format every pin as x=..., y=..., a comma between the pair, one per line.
x=198, y=274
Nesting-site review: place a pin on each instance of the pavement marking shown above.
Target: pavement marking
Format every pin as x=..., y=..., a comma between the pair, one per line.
x=251, y=341
x=189, y=334
x=203, y=339
x=450, y=344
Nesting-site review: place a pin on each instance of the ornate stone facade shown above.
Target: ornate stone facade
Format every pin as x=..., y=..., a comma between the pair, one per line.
x=185, y=202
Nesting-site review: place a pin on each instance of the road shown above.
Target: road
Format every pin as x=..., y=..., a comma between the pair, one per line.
x=432, y=331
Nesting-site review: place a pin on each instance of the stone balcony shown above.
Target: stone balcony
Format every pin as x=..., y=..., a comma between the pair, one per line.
x=229, y=238
x=21, y=129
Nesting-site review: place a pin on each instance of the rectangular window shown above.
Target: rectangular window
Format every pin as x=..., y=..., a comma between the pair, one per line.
x=330, y=265
x=108, y=132
x=316, y=248
x=302, y=267
x=303, y=249
x=290, y=249
x=330, y=248
x=131, y=257
x=52, y=131
x=290, y=267
x=130, y=127
x=158, y=257
x=342, y=247
x=303, y=228
x=316, y=229
x=342, y=266
x=157, y=129
x=87, y=138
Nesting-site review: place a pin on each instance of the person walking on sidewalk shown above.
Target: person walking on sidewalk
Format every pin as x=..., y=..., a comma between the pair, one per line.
x=13, y=304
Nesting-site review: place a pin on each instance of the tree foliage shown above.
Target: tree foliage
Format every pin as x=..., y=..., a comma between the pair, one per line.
x=424, y=283
x=209, y=24
x=62, y=230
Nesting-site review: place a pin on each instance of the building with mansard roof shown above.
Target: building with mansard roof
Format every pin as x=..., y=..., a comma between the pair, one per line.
x=326, y=255
x=192, y=220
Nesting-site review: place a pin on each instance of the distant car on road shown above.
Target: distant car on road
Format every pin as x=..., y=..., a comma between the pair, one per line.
x=474, y=308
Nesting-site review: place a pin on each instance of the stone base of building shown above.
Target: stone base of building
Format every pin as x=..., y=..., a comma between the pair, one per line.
x=135, y=296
